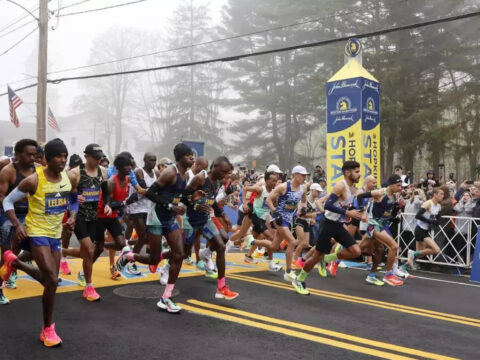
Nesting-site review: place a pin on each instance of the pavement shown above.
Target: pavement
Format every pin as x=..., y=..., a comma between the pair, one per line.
x=430, y=317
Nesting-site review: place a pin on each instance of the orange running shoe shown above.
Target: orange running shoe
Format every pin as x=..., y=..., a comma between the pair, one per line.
x=295, y=264
x=90, y=294
x=283, y=244
x=114, y=272
x=7, y=268
x=392, y=280
x=49, y=337
x=332, y=268
x=225, y=293
x=153, y=268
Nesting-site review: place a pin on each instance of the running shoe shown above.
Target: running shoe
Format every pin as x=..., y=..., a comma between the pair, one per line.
x=7, y=268
x=115, y=274
x=122, y=258
x=289, y=276
x=200, y=265
x=49, y=337
x=168, y=305
x=4, y=300
x=274, y=266
x=301, y=262
x=398, y=272
x=249, y=260
x=226, y=293
x=153, y=268
x=229, y=246
x=81, y=279
x=295, y=264
x=212, y=274
x=164, y=274
x=368, y=266
x=132, y=269
x=300, y=287
x=11, y=283
x=188, y=260
x=374, y=281
x=332, y=268
x=64, y=269
x=90, y=294
x=258, y=253
x=392, y=280
x=206, y=256
x=342, y=265
x=412, y=263
x=322, y=270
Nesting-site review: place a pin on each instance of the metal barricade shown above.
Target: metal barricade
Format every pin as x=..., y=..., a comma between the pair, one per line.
x=455, y=238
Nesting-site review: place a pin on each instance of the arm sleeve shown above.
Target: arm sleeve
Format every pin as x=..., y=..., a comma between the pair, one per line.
x=14, y=196
x=105, y=192
x=133, y=178
x=73, y=203
x=330, y=205
x=152, y=194
x=421, y=216
x=362, y=196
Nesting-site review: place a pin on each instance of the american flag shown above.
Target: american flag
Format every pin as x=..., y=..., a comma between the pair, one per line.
x=52, y=121
x=14, y=102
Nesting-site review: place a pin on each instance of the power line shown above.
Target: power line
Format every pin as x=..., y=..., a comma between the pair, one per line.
x=99, y=9
x=17, y=20
x=266, y=52
x=219, y=40
x=17, y=28
x=18, y=42
x=72, y=5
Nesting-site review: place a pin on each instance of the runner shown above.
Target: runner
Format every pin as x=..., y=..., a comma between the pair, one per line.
x=383, y=207
x=89, y=177
x=139, y=206
x=200, y=200
x=427, y=217
x=51, y=191
x=113, y=193
x=258, y=214
x=10, y=176
x=289, y=196
x=166, y=193
x=333, y=225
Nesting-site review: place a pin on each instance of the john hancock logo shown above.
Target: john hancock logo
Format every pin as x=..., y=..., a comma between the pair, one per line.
x=370, y=109
x=343, y=110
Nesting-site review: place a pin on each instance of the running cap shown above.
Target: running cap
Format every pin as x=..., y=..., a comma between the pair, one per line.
x=181, y=150
x=394, y=179
x=94, y=150
x=316, y=186
x=74, y=161
x=54, y=148
x=165, y=161
x=275, y=169
x=299, y=170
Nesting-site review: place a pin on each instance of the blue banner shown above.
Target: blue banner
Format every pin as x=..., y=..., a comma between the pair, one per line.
x=475, y=274
x=198, y=147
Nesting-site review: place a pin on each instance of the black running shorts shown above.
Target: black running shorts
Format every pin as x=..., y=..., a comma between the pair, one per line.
x=259, y=225
x=85, y=229
x=304, y=224
x=421, y=234
x=112, y=225
x=333, y=229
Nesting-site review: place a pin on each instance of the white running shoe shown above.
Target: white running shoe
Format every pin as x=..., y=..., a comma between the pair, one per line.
x=290, y=276
x=411, y=259
x=273, y=266
x=397, y=271
x=206, y=256
x=164, y=274
x=342, y=265
x=229, y=246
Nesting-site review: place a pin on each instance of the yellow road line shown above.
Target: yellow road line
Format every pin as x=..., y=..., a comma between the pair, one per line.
x=366, y=301
x=297, y=334
x=361, y=340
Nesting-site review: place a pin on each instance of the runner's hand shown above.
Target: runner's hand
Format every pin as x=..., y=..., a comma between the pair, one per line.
x=107, y=210
x=354, y=214
x=202, y=208
x=198, y=194
x=81, y=199
x=21, y=232
x=70, y=223
x=179, y=210
x=245, y=208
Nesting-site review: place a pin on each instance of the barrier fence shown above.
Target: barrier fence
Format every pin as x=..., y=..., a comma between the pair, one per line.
x=455, y=236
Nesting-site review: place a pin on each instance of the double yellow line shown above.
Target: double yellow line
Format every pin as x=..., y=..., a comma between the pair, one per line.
x=335, y=339
x=366, y=301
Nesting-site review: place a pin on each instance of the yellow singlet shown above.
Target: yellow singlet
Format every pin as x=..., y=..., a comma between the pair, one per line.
x=47, y=206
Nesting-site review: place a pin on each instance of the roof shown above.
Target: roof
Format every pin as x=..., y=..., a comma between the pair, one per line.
x=352, y=69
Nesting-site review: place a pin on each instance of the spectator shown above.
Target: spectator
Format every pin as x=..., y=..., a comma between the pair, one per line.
x=430, y=182
x=323, y=184
x=446, y=223
x=464, y=209
x=414, y=198
x=409, y=178
x=318, y=173
x=399, y=172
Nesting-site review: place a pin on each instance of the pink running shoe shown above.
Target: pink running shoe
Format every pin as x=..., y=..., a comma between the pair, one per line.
x=90, y=294
x=7, y=268
x=65, y=270
x=49, y=337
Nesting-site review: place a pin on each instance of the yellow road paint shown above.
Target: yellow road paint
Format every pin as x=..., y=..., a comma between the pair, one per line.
x=343, y=336
x=369, y=302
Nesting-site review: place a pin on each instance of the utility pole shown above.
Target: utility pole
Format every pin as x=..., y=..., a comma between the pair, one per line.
x=42, y=71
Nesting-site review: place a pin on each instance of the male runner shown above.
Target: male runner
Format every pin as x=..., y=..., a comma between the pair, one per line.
x=333, y=225
x=166, y=193
x=10, y=176
x=289, y=196
x=427, y=217
x=258, y=214
x=51, y=191
x=383, y=207
x=200, y=200
x=89, y=177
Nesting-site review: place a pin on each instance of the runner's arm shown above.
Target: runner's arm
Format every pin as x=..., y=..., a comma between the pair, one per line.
x=26, y=186
x=273, y=196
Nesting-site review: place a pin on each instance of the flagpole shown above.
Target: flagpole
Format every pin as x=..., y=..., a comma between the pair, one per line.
x=42, y=71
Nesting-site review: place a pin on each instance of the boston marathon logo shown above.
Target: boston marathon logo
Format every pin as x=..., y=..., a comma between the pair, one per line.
x=353, y=47
x=343, y=110
x=371, y=114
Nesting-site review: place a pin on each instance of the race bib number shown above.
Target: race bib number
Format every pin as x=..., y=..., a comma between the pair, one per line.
x=91, y=194
x=56, y=202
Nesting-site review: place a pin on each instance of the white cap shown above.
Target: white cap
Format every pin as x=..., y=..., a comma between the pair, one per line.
x=316, y=186
x=299, y=170
x=274, y=168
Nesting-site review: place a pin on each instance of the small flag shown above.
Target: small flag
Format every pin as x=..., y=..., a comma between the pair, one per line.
x=14, y=102
x=52, y=121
